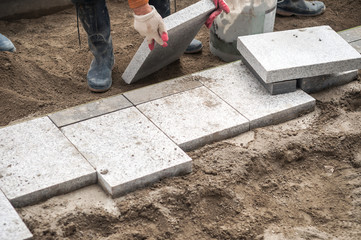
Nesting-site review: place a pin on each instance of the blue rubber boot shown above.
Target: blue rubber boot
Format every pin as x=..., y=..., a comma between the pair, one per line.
x=300, y=8
x=95, y=20
x=163, y=8
x=6, y=44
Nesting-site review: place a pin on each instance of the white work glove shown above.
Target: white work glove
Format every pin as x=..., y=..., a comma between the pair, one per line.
x=151, y=26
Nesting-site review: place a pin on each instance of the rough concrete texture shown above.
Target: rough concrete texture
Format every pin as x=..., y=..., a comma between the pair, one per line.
x=11, y=225
x=162, y=89
x=276, y=87
x=89, y=110
x=299, y=53
x=236, y=85
x=356, y=45
x=195, y=118
x=38, y=162
x=182, y=27
x=127, y=150
x=352, y=34
x=319, y=83
x=30, y=8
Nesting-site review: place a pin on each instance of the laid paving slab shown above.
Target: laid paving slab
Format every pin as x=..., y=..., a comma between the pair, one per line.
x=127, y=150
x=11, y=225
x=38, y=162
x=162, y=89
x=89, y=110
x=300, y=53
x=319, y=83
x=352, y=34
x=195, y=118
x=356, y=45
x=182, y=27
x=236, y=85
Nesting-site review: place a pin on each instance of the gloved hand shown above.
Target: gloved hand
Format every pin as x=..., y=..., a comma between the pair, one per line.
x=220, y=6
x=151, y=26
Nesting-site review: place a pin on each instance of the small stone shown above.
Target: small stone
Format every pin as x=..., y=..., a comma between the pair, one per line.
x=104, y=171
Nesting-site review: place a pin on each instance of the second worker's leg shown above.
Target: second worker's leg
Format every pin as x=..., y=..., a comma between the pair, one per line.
x=95, y=20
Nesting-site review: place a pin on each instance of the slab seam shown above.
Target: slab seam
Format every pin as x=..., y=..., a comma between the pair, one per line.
x=158, y=126
x=171, y=94
x=249, y=121
x=78, y=150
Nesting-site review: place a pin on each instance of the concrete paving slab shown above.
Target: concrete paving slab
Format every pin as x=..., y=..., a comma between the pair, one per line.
x=38, y=162
x=11, y=225
x=300, y=53
x=89, y=110
x=276, y=87
x=236, y=85
x=352, y=34
x=127, y=150
x=195, y=118
x=319, y=83
x=182, y=27
x=162, y=89
x=357, y=46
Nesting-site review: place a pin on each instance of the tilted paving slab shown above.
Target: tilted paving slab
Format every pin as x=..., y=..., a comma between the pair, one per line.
x=182, y=27
x=162, y=89
x=236, y=85
x=38, y=162
x=300, y=53
x=319, y=83
x=352, y=34
x=12, y=226
x=194, y=118
x=127, y=150
x=89, y=110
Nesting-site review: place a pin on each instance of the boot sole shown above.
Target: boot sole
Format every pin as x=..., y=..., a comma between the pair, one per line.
x=194, y=51
x=104, y=89
x=289, y=14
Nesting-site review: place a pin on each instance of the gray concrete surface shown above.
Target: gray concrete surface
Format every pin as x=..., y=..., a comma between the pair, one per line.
x=299, y=53
x=89, y=110
x=127, y=150
x=237, y=86
x=11, y=225
x=194, y=118
x=38, y=162
x=162, y=89
x=319, y=83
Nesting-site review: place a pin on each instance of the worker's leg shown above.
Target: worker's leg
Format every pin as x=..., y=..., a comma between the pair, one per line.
x=300, y=8
x=95, y=19
x=163, y=8
x=6, y=44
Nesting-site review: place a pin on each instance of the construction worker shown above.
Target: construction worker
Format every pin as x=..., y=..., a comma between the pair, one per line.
x=300, y=8
x=6, y=44
x=147, y=21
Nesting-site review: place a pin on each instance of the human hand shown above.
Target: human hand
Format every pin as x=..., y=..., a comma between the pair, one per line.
x=151, y=26
x=221, y=5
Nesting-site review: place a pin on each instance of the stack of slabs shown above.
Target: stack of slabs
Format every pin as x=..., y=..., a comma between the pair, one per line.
x=308, y=58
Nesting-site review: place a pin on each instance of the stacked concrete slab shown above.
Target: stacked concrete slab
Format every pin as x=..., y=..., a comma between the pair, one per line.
x=281, y=57
x=182, y=27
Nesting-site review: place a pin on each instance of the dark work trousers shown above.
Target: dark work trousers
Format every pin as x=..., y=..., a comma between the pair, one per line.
x=162, y=6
